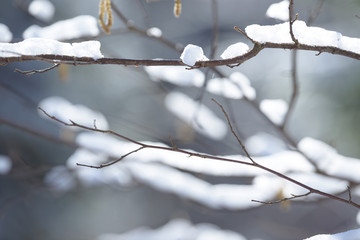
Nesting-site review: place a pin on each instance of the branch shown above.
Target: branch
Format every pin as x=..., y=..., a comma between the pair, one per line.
x=51, y=58
x=112, y=162
x=233, y=132
x=206, y=156
x=291, y=21
x=295, y=90
x=293, y=196
x=31, y=72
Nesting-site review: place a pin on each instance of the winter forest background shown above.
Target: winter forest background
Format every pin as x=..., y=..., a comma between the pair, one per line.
x=163, y=194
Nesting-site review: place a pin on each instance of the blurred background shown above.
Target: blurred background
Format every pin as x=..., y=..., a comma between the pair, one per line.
x=327, y=109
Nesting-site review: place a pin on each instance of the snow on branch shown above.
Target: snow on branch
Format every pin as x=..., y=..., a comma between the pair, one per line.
x=35, y=48
x=77, y=27
x=273, y=36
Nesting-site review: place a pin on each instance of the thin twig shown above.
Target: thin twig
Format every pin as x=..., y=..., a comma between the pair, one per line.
x=206, y=156
x=233, y=132
x=291, y=21
x=36, y=133
x=31, y=72
x=293, y=196
x=315, y=13
x=112, y=162
x=244, y=33
x=215, y=32
x=349, y=193
x=295, y=91
x=130, y=25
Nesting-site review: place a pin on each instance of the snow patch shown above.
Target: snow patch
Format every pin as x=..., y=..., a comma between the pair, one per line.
x=174, y=230
x=66, y=111
x=244, y=83
x=42, y=10
x=154, y=32
x=192, y=54
x=224, y=87
x=312, y=36
x=5, y=34
x=235, y=50
x=279, y=11
x=78, y=27
x=177, y=75
x=39, y=46
x=201, y=118
x=274, y=109
x=5, y=164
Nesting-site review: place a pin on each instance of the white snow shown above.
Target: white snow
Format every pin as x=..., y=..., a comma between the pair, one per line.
x=329, y=161
x=5, y=34
x=154, y=32
x=104, y=143
x=113, y=147
x=42, y=9
x=348, y=235
x=312, y=36
x=224, y=87
x=235, y=50
x=244, y=83
x=192, y=54
x=5, y=164
x=235, y=87
x=185, y=185
x=201, y=118
x=274, y=109
x=66, y=111
x=323, y=183
x=38, y=46
x=264, y=144
x=279, y=11
x=78, y=27
x=177, y=75
x=176, y=229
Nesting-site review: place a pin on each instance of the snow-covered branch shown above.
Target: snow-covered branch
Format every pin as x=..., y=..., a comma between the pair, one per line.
x=263, y=37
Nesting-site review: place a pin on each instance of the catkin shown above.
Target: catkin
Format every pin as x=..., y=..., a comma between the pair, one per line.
x=105, y=10
x=177, y=8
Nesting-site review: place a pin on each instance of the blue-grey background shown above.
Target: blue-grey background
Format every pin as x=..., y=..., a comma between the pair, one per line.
x=328, y=109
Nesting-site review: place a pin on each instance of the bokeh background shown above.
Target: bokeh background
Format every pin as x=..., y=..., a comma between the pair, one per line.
x=327, y=109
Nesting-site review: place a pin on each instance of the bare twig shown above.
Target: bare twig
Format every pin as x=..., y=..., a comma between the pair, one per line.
x=131, y=27
x=215, y=33
x=294, y=77
x=31, y=72
x=295, y=90
x=293, y=196
x=233, y=132
x=291, y=21
x=315, y=13
x=36, y=133
x=244, y=33
x=205, y=156
x=112, y=162
x=349, y=193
